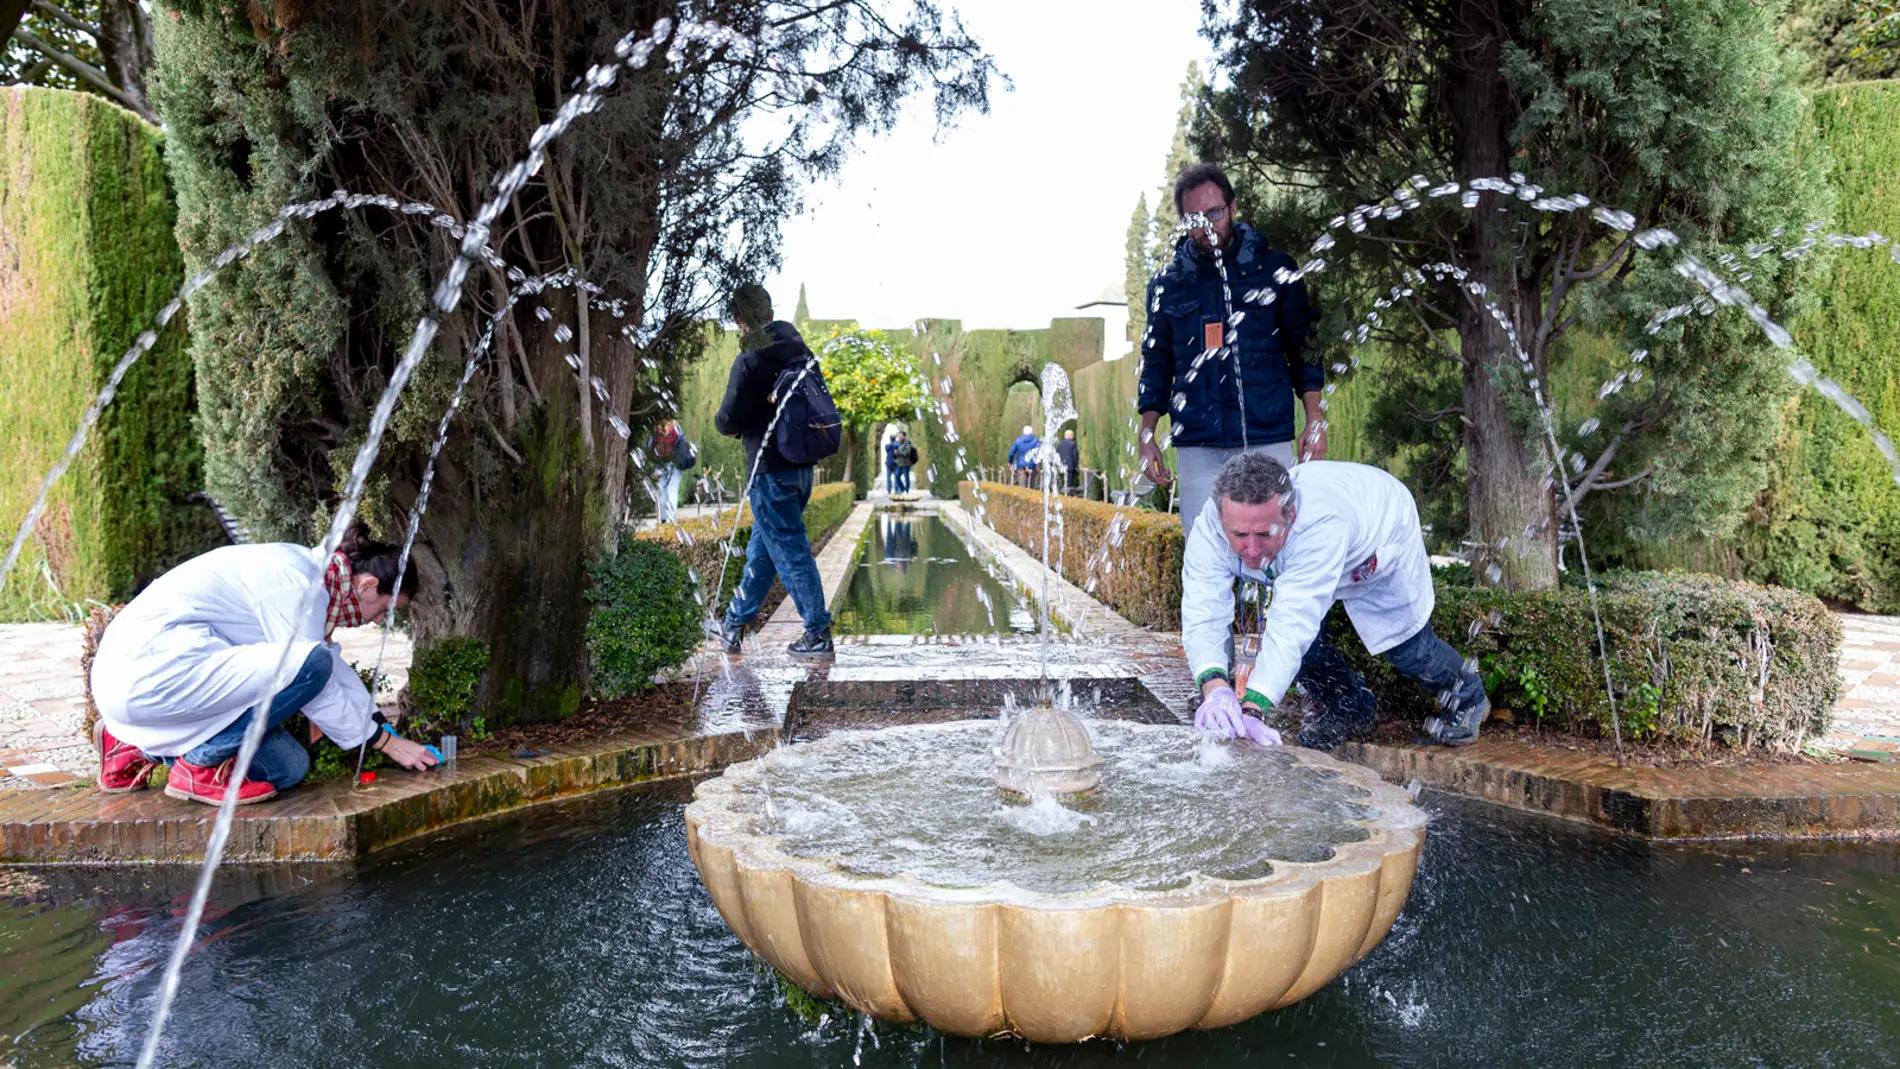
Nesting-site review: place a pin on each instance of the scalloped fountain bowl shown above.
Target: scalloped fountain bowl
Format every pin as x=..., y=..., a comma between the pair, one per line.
x=1199, y=885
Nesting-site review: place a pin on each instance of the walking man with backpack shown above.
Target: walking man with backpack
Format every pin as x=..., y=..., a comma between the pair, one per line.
x=776, y=386
x=899, y=457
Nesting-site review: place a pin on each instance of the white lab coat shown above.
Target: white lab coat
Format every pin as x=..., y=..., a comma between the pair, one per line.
x=201, y=645
x=1355, y=539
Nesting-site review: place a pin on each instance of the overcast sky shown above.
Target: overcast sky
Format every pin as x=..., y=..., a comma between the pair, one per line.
x=926, y=224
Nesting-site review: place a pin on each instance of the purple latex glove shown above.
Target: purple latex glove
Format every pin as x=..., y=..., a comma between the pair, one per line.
x=1219, y=714
x=1254, y=728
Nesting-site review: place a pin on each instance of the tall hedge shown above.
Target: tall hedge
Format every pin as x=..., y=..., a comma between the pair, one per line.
x=86, y=227
x=1829, y=520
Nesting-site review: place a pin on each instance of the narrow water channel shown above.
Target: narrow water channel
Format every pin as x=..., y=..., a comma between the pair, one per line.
x=917, y=577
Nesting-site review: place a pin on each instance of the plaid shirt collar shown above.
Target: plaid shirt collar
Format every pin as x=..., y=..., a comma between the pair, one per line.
x=344, y=610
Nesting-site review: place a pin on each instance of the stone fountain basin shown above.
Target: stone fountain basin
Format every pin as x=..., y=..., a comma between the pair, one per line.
x=1110, y=962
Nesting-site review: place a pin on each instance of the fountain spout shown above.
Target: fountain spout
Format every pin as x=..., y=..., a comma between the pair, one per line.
x=1047, y=749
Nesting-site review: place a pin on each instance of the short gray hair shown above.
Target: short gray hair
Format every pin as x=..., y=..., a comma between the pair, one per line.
x=1255, y=479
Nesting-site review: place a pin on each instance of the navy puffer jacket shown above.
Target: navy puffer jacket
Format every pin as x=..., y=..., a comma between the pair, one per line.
x=1182, y=301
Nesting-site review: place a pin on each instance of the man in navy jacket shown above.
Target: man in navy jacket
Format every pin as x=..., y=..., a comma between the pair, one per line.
x=1221, y=403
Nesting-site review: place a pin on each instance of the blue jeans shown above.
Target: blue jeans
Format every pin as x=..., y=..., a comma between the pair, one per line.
x=902, y=478
x=280, y=759
x=779, y=549
x=1424, y=658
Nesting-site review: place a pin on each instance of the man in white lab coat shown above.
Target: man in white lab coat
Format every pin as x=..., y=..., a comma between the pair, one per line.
x=1324, y=532
x=181, y=670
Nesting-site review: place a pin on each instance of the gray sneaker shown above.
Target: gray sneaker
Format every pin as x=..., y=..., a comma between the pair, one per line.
x=733, y=636
x=1457, y=728
x=813, y=644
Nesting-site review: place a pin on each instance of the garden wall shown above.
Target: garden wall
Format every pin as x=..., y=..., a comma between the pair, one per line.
x=86, y=227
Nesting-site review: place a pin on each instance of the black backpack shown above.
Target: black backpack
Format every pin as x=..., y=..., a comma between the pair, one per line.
x=809, y=428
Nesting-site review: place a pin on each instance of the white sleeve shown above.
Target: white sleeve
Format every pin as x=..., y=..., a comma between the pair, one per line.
x=343, y=708
x=1301, y=596
x=1208, y=568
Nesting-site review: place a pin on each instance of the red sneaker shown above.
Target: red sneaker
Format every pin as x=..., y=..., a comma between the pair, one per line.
x=196, y=783
x=122, y=766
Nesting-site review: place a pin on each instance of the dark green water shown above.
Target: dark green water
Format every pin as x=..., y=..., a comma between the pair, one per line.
x=580, y=936
x=918, y=578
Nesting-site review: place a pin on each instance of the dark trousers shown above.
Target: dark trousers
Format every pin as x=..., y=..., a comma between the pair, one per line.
x=280, y=759
x=1424, y=658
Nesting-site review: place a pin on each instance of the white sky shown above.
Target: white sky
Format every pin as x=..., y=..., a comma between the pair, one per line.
x=914, y=229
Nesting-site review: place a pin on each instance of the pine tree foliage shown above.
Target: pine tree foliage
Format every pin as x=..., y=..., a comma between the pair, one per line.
x=1829, y=36
x=662, y=198
x=1683, y=114
x=1137, y=269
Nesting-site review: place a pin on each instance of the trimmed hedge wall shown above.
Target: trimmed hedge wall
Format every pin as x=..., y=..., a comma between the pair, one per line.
x=700, y=541
x=1829, y=521
x=86, y=227
x=1695, y=658
x=1140, y=578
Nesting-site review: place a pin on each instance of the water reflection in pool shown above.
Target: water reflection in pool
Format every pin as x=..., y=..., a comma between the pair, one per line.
x=917, y=577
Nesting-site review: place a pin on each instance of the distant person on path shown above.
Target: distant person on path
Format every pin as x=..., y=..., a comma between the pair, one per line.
x=1324, y=532
x=900, y=455
x=675, y=455
x=1024, y=457
x=1213, y=408
x=779, y=547
x=1070, y=455
x=181, y=670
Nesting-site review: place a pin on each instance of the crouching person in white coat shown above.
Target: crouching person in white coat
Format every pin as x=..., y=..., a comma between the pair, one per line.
x=181, y=670
x=1324, y=532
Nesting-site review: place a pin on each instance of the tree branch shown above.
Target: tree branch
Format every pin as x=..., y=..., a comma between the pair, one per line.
x=85, y=72
x=60, y=14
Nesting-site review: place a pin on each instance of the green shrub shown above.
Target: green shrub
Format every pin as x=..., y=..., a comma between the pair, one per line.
x=1140, y=578
x=443, y=679
x=644, y=617
x=700, y=542
x=87, y=258
x=1694, y=658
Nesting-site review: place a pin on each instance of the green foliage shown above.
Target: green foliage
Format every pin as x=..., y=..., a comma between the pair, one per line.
x=1828, y=37
x=1682, y=113
x=478, y=729
x=1138, y=269
x=444, y=677
x=1141, y=579
x=1877, y=26
x=1829, y=518
x=872, y=377
x=644, y=617
x=86, y=225
x=1695, y=659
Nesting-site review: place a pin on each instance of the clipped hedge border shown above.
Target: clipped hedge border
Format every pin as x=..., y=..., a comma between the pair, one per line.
x=1140, y=577
x=1695, y=659
x=700, y=541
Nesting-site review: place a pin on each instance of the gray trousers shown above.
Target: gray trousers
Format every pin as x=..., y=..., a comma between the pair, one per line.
x=1196, y=465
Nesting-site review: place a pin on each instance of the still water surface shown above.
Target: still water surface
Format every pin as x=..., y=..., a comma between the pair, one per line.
x=579, y=936
x=918, y=578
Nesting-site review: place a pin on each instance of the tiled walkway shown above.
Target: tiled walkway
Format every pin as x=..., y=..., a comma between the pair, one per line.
x=1867, y=716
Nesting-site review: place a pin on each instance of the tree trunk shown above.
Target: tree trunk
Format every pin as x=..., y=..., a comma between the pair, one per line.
x=125, y=42
x=539, y=531
x=1504, y=489
x=851, y=451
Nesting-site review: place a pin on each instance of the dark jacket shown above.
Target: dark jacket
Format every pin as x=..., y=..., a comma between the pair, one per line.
x=748, y=406
x=1070, y=455
x=1022, y=451
x=1182, y=300
x=900, y=454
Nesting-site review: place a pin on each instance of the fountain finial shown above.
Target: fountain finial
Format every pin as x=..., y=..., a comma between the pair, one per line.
x=1047, y=749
